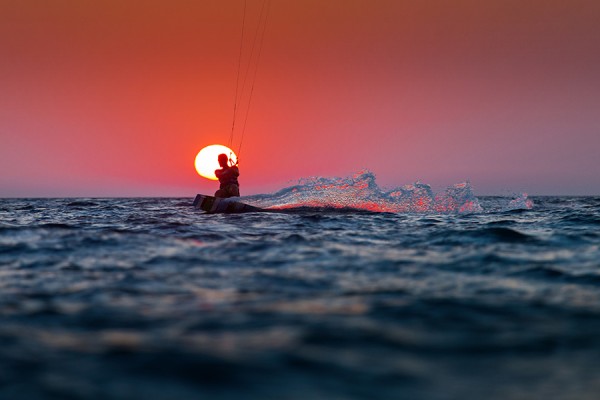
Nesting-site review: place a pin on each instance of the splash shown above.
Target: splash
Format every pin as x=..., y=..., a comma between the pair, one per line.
x=362, y=192
x=520, y=202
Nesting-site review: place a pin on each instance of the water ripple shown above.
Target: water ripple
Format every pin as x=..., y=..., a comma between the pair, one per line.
x=122, y=298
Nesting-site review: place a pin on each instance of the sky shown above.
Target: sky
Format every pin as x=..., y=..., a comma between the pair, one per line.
x=116, y=97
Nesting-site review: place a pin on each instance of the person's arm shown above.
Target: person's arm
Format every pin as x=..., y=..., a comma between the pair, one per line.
x=227, y=173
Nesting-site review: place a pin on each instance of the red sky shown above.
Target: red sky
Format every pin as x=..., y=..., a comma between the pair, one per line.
x=115, y=98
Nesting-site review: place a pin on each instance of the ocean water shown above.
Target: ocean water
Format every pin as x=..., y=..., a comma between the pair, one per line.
x=403, y=294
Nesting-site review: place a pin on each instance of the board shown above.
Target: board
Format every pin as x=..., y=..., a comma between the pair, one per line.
x=216, y=205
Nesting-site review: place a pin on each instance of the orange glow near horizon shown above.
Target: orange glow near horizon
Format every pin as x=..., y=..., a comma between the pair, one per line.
x=207, y=160
x=502, y=93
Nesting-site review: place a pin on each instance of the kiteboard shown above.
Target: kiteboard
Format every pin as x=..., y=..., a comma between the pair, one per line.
x=215, y=205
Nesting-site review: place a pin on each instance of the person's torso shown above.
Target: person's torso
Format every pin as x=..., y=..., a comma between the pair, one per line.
x=228, y=176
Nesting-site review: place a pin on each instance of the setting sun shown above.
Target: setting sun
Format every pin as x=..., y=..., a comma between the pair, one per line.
x=206, y=161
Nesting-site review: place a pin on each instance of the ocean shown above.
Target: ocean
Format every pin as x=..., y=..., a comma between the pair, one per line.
x=379, y=295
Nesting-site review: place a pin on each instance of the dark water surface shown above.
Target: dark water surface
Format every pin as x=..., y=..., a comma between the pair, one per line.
x=151, y=299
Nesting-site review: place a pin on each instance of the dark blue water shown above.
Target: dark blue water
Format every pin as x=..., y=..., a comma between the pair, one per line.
x=152, y=299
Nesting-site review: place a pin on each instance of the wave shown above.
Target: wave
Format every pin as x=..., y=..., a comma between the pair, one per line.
x=361, y=192
x=502, y=234
x=552, y=274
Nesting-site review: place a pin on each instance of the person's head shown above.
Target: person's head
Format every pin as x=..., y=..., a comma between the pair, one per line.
x=223, y=160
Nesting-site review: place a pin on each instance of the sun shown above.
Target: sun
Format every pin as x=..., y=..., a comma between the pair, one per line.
x=206, y=161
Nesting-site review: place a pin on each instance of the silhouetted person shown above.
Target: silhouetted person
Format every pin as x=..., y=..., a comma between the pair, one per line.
x=228, y=177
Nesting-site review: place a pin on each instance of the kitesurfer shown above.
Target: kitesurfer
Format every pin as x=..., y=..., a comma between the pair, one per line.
x=228, y=177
